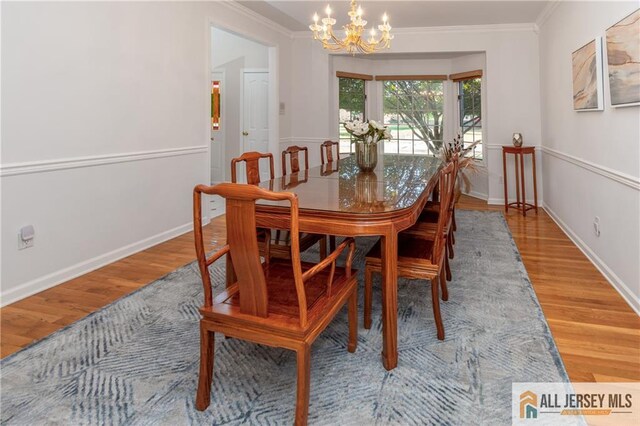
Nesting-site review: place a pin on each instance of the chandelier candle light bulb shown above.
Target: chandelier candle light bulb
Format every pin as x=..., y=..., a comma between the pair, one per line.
x=352, y=42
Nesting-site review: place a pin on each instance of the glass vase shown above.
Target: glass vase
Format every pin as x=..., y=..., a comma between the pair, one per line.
x=366, y=156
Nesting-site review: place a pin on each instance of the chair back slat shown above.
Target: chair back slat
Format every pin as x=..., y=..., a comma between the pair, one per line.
x=252, y=166
x=446, y=186
x=293, y=152
x=242, y=243
x=326, y=152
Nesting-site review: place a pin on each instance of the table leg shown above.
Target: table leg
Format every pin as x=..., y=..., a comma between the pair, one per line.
x=515, y=161
x=535, y=186
x=504, y=179
x=389, y=300
x=524, y=197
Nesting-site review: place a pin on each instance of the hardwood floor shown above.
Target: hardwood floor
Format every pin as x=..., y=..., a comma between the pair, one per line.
x=597, y=333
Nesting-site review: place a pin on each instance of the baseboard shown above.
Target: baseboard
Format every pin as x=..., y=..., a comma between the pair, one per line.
x=500, y=201
x=51, y=280
x=611, y=276
x=477, y=195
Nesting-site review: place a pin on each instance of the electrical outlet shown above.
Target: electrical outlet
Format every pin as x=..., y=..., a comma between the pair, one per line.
x=596, y=226
x=26, y=237
x=24, y=244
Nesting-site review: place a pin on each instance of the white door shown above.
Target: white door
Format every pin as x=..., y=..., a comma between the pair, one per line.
x=255, y=116
x=218, y=137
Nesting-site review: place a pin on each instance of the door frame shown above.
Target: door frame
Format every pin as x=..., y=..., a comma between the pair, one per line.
x=244, y=71
x=274, y=89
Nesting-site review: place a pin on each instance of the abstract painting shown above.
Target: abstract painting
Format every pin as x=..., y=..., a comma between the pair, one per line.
x=623, y=58
x=587, y=77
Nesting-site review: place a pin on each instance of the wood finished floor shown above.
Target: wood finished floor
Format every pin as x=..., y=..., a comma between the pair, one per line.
x=597, y=333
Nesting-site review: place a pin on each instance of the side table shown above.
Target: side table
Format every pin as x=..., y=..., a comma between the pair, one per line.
x=520, y=203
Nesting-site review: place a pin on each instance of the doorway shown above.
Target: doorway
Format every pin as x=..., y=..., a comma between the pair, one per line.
x=245, y=70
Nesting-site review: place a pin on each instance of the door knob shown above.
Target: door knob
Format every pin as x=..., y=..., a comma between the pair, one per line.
x=245, y=133
x=211, y=139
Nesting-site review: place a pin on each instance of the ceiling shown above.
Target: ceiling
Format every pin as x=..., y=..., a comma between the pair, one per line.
x=296, y=15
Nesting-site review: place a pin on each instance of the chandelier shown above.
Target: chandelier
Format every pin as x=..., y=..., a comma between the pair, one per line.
x=352, y=41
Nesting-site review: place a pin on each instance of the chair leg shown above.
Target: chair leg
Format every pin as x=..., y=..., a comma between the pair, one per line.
x=207, y=343
x=436, y=307
x=368, y=274
x=353, y=320
x=304, y=378
x=332, y=243
x=453, y=237
x=447, y=268
x=453, y=220
x=323, y=248
x=443, y=285
x=450, y=244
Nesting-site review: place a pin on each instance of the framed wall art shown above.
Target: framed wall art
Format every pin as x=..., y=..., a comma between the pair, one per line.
x=587, y=77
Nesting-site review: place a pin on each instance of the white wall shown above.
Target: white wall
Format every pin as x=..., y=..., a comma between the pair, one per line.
x=105, y=128
x=591, y=160
x=511, y=81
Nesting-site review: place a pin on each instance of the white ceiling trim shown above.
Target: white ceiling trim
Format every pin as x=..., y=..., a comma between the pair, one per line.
x=450, y=29
x=243, y=10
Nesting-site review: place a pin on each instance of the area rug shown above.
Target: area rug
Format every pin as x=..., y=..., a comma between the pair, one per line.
x=136, y=361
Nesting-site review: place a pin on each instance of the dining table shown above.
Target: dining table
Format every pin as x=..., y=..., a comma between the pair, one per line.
x=339, y=199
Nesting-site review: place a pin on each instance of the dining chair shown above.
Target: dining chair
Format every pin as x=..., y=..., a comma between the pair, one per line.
x=294, y=161
x=294, y=152
x=252, y=164
x=275, y=302
x=418, y=258
x=326, y=151
x=426, y=225
x=279, y=239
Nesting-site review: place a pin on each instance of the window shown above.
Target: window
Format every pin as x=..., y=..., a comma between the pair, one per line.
x=469, y=100
x=413, y=111
x=351, y=100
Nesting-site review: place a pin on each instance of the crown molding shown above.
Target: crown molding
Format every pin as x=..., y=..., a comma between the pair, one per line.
x=248, y=13
x=545, y=14
x=448, y=29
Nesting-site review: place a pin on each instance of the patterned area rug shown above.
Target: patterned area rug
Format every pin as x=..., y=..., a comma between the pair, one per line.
x=136, y=360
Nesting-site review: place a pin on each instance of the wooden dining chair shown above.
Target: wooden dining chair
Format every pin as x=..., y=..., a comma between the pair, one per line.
x=279, y=239
x=293, y=152
x=326, y=152
x=251, y=161
x=426, y=225
x=275, y=302
x=294, y=159
x=418, y=258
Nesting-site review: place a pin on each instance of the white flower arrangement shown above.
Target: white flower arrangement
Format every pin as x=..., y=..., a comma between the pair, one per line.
x=367, y=131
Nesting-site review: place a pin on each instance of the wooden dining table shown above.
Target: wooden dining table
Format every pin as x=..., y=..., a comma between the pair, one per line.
x=337, y=199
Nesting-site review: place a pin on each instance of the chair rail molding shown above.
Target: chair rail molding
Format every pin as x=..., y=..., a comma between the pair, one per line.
x=13, y=169
x=302, y=140
x=623, y=178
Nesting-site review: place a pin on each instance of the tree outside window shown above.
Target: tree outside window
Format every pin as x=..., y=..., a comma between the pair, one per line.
x=413, y=112
x=469, y=99
x=351, y=104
